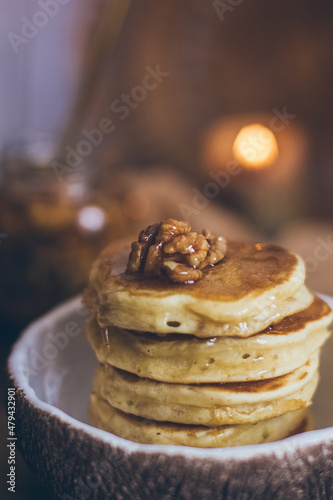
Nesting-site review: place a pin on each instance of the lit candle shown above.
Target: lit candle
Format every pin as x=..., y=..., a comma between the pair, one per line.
x=255, y=147
x=271, y=161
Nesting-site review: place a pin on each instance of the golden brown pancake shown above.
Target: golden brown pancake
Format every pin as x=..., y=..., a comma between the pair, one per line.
x=140, y=430
x=208, y=404
x=253, y=286
x=275, y=351
x=230, y=359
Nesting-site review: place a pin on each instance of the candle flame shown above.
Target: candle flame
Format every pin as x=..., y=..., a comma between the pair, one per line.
x=255, y=147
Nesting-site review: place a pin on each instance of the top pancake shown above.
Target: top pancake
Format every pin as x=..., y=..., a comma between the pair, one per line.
x=253, y=286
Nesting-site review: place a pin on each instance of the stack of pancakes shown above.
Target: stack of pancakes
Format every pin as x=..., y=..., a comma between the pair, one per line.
x=229, y=360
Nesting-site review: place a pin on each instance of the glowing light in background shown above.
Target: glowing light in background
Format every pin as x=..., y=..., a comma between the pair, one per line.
x=255, y=147
x=91, y=218
x=136, y=205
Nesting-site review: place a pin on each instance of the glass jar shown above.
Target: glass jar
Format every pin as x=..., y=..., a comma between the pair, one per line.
x=51, y=231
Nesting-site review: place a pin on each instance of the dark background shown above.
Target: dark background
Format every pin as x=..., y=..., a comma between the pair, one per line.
x=238, y=65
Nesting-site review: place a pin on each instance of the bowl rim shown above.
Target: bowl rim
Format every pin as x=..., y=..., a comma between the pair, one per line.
x=18, y=373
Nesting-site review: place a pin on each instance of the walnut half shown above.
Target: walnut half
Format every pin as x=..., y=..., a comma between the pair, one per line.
x=171, y=248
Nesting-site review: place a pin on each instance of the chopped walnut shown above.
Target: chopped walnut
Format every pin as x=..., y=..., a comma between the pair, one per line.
x=193, y=246
x=181, y=273
x=170, y=228
x=140, y=248
x=217, y=249
x=173, y=249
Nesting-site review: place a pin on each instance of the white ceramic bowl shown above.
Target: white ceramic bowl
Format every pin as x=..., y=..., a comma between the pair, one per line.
x=52, y=366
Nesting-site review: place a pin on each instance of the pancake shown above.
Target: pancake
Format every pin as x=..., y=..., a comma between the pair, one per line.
x=306, y=425
x=275, y=351
x=202, y=342
x=252, y=287
x=208, y=404
x=140, y=430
